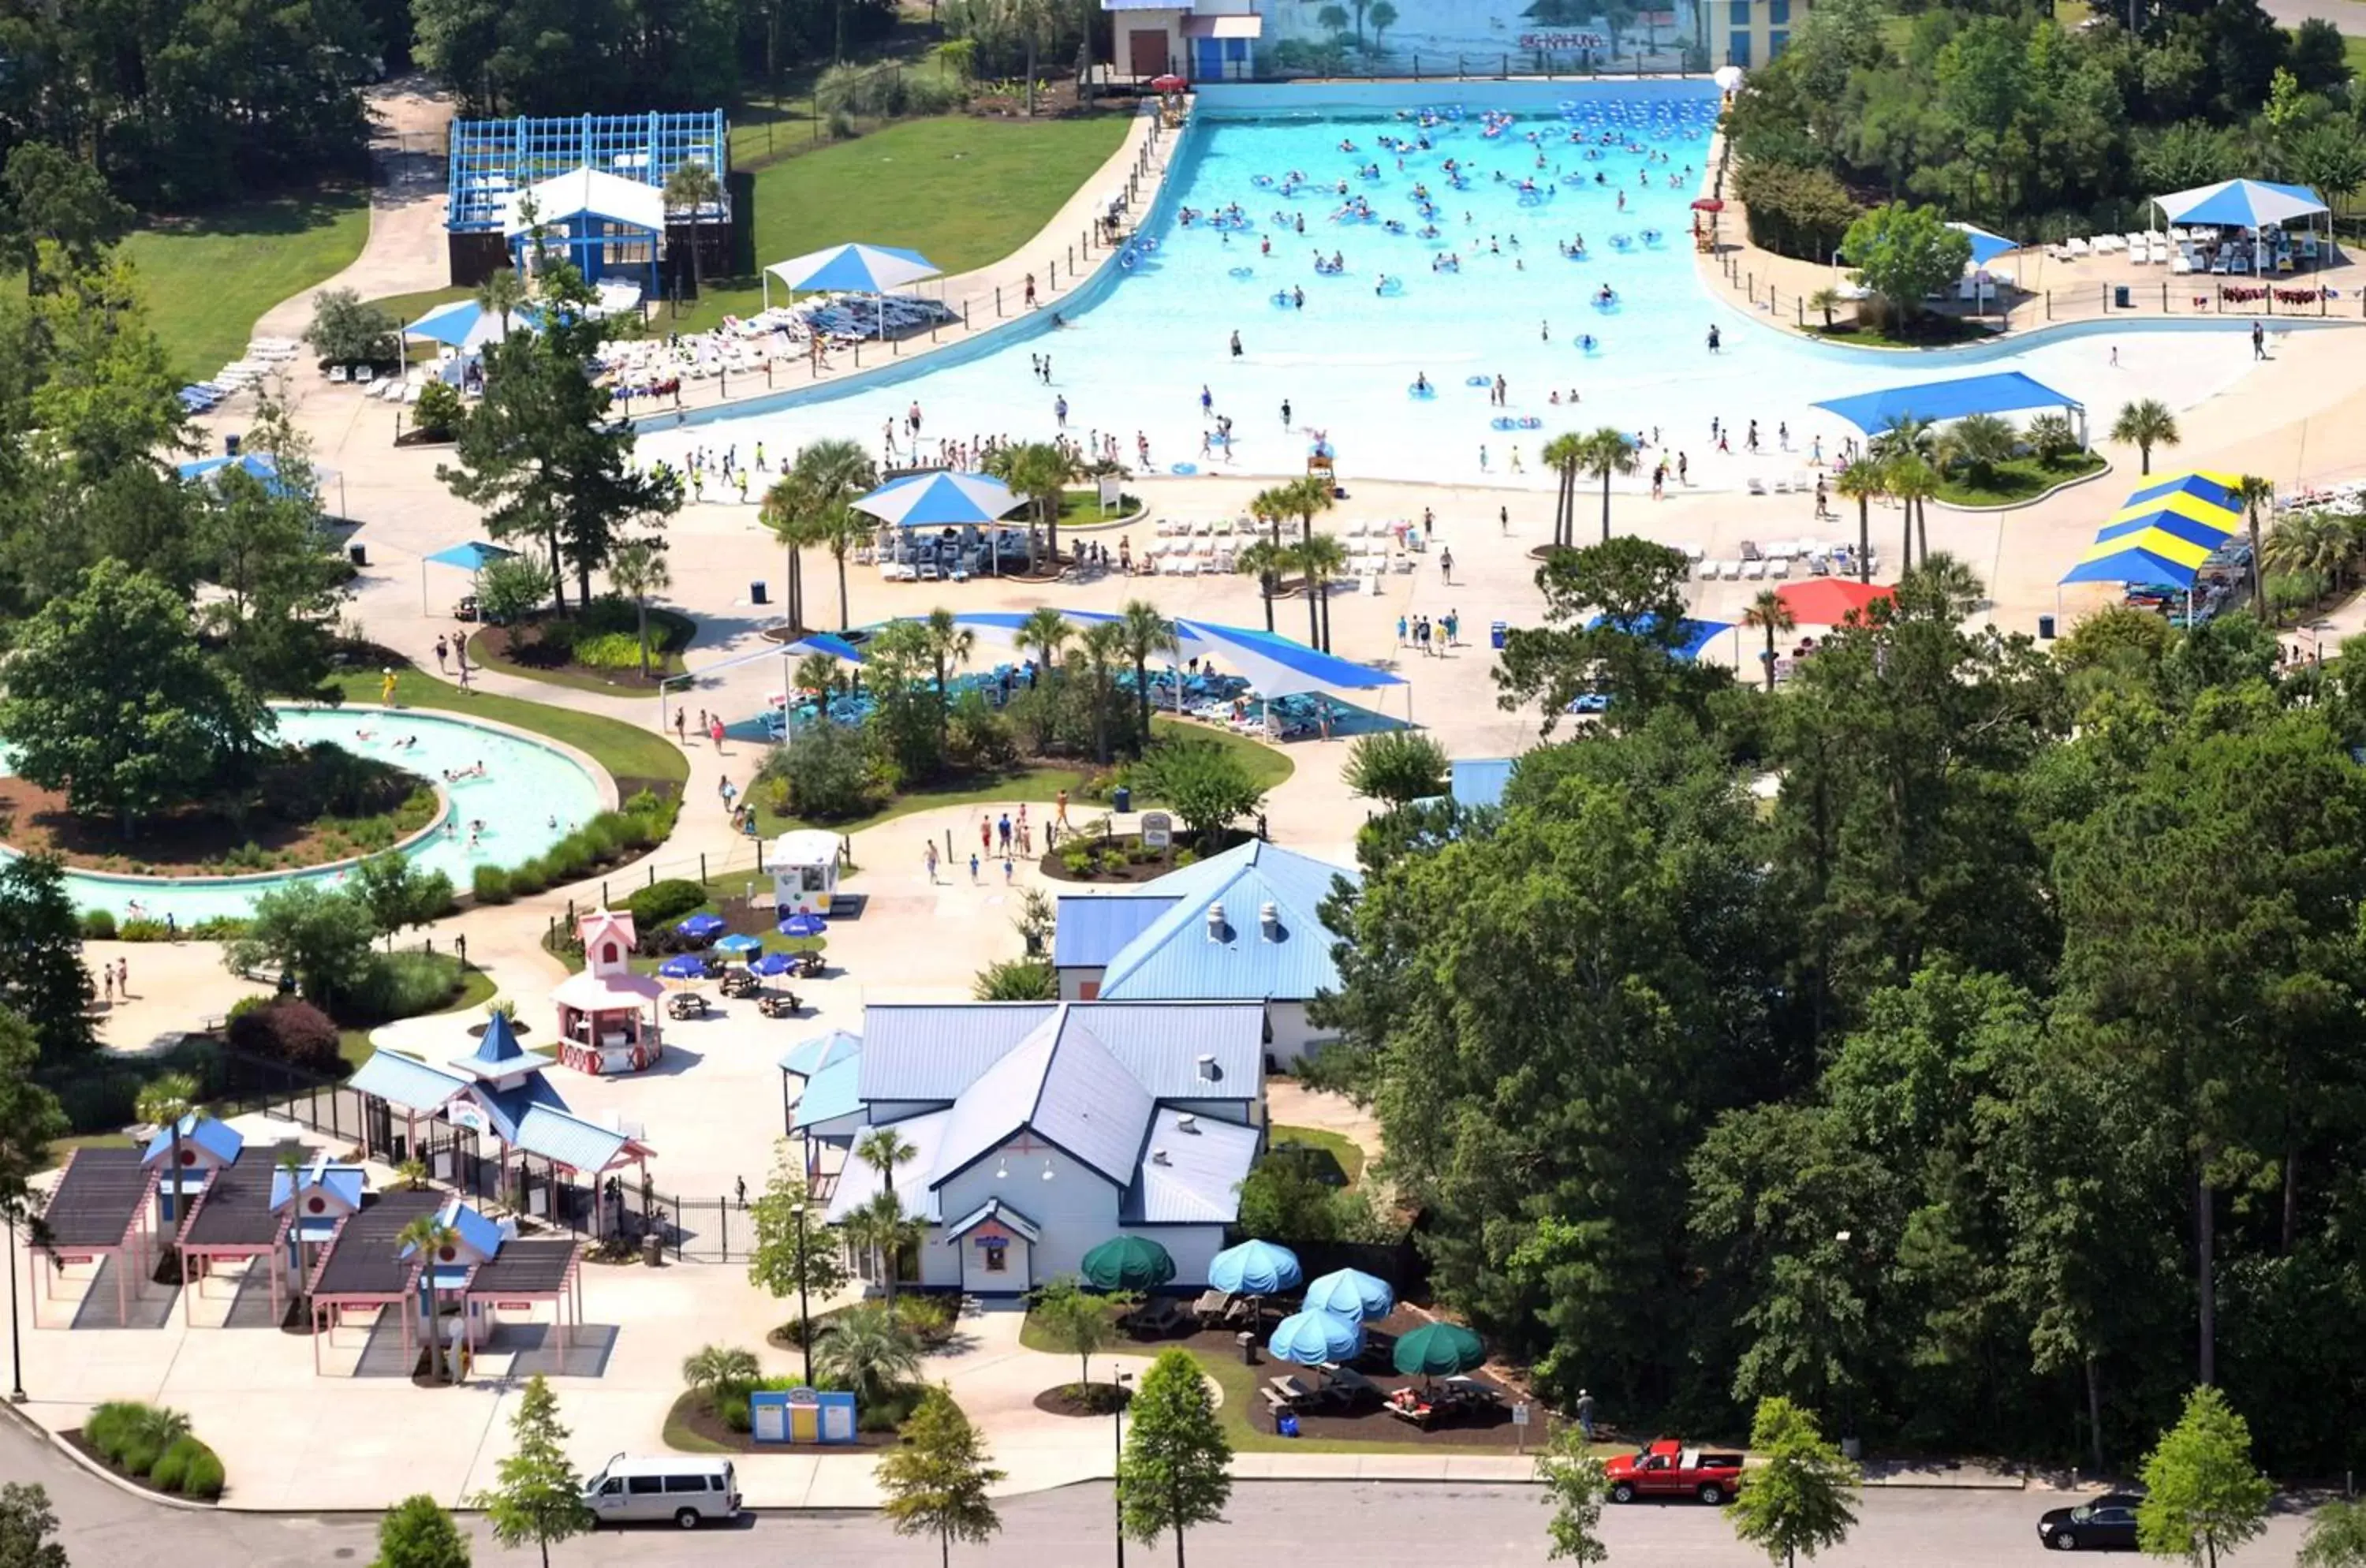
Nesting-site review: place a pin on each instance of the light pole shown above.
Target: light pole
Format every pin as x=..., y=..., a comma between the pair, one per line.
x=1117, y=1450
x=805, y=1315
x=15, y=1347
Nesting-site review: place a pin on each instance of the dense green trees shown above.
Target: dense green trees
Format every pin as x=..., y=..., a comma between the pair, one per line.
x=1969, y=1081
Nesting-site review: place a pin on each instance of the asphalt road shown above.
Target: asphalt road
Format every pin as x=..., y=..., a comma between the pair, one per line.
x=1430, y=1526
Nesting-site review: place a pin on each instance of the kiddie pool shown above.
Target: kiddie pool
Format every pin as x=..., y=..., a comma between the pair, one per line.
x=534, y=794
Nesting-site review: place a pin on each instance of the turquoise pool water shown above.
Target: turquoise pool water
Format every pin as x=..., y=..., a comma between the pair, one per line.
x=1133, y=358
x=530, y=796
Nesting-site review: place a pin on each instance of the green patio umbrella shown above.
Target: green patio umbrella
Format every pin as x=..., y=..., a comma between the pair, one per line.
x=1437, y=1351
x=1127, y=1263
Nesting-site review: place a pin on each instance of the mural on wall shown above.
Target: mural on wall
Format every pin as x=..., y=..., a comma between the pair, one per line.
x=1311, y=33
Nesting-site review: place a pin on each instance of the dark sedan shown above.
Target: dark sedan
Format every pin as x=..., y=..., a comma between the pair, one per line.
x=2101, y=1524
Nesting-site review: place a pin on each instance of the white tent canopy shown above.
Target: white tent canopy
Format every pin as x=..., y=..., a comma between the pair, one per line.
x=589, y=191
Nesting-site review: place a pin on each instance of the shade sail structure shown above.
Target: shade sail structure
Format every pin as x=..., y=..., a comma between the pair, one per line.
x=1255, y=1268
x=465, y=324
x=2241, y=204
x=2153, y=556
x=473, y=556
x=2215, y=486
x=1439, y=1350
x=1830, y=600
x=1127, y=1263
x=257, y=465
x=942, y=501
x=1314, y=1338
x=1693, y=634
x=2007, y=391
x=1986, y=247
x=823, y=642
x=2208, y=534
x=1351, y=1293
x=854, y=269
x=1274, y=665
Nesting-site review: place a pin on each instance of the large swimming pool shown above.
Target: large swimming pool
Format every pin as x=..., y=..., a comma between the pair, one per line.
x=528, y=797
x=1536, y=170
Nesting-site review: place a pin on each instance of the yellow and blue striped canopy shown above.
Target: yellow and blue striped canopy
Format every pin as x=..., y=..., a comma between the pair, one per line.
x=2165, y=531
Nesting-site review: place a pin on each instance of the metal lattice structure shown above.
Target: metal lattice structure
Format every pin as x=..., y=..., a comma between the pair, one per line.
x=492, y=159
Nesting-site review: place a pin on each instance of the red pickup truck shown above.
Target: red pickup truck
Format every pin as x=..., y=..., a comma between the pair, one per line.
x=1668, y=1469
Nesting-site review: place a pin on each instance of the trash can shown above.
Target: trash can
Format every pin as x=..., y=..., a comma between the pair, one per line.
x=358, y=553
x=1247, y=1342
x=756, y=591
x=2046, y=629
x=653, y=1250
x=2120, y=297
x=1121, y=799
x=1496, y=630
x=229, y=446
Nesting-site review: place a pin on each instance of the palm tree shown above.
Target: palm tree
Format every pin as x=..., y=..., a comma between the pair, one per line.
x=637, y=568
x=2311, y=544
x=885, y=1150
x=1147, y=634
x=165, y=1103
x=1604, y=453
x=1266, y=561
x=1771, y=614
x=788, y=510
x=1322, y=560
x=1103, y=648
x=2252, y=491
x=1860, y=482
x=712, y=1369
x=1565, y=455
x=1979, y=442
x=882, y=1228
x=1268, y=506
x=1038, y=471
x=1914, y=481
x=1826, y=300
x=1048, y=633
x=950, y=644
x=842, y=528
x=1384, y=16
x=865, y=1350
x=500, y=295
x=1304, y=499
x=1942, y=589
x=691, y=188
x=836, y=472
x=817, y=673
x=425, y=1238
x=2144, y=425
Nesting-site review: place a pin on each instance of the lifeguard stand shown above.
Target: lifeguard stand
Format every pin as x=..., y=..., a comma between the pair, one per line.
x=1319, y=465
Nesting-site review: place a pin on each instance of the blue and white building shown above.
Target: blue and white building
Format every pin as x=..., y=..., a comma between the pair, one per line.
x=1244, y=926
x=1043, y=1129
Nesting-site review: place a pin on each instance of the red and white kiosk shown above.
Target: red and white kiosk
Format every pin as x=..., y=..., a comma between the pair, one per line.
x=608, y=1015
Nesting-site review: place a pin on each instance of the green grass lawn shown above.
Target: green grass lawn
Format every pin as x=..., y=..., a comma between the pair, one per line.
x=477, y=988
x=1266, y=766
x=60, y=1147
x=1338, y=1145
x=2022, y=479
x=1082, y=509
x=627, y=752
x=962, y=192
x=410, y=307
x=206, y=279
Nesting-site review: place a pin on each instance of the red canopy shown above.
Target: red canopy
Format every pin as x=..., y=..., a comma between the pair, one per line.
x=1828, y=601
x=1708, y=204
x=1167, y=84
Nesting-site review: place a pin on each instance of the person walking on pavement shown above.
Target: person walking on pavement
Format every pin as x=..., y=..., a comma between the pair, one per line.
x=1445, y=566
x=928, y=859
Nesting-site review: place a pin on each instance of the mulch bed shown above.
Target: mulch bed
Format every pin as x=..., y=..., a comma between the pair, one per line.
x=516, y=646
x=185, y=841
x=72, y=1435
x=1147, y=871
x=1100, y=1399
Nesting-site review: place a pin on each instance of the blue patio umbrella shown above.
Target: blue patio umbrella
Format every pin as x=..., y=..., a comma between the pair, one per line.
x=737, y=943
x=683, y=966
x=804, y=925
x=940, y=500
x=772, y=963
x=698, y=928
x=1312, y=1338
x=1255, y=1268
x=1351, y=1293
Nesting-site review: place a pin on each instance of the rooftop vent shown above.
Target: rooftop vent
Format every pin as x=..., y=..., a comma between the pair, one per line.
x=1216, y=922
x=1209, y=1072
x=1187, y=1123
x=1269, y=918
x=1158, y=1157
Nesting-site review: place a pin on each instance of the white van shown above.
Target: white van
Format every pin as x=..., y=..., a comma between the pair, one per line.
x=682, y=1487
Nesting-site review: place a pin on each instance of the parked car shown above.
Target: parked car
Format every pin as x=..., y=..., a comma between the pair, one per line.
x=1668, y=1469
x=2107, y=1523
x=684, y=1488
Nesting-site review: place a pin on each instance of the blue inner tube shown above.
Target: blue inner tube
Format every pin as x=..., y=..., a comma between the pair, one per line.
x=1186, y=470
x=1588, y=343
x=1421, y=390
x=1263, y=182
x=1478, y=380
x=1504, y=421
x=1126, y=260
x=1390, y=287
x=1243, y=272
x=1281, y=297
x=1531, y=423
x=1607, y=306
x=1151, y=244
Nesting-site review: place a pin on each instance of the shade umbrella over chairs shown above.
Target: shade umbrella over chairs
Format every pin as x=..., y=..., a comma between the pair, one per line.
x=1351, y=1293
x=1127, y=1263
x=1316, y=1338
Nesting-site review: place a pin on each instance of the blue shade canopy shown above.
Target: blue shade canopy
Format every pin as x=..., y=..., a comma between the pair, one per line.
x=1273, y=665
x=940, y=500
x=772, y=963
x=698, y=928
x=683, y=966
x=859, y=269
x=2150, y=557
x=473, y=556
x=2192, y=530
x=804, y=925
x=1312, y=1338
x=2212, y=487
x=2007, y=391
x=1693, y=634
x=1986, y=247
x=465, y=324
x=2244, y=203
x=256, y=466
x=1255, y=1268
x=823, y=642
x=740, y=944
x=1351, y=1293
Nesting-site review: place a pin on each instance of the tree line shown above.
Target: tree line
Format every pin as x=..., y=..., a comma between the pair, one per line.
x=1988, y=1074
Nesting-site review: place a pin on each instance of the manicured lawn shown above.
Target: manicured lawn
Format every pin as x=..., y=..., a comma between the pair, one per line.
x=206, y=279
x=2022, y=479
x=1338, y=1145
x=477, y=988
x=410, y=307
x=627, y=752
x=1082, y=509
x=962, y=192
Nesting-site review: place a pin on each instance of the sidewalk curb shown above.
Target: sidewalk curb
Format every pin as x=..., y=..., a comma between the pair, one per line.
x=57, y=1441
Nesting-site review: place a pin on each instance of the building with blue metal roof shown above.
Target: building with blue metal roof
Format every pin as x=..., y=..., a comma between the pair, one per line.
x=1244, y=926
x=1040, y=1130
x=1480, y=781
